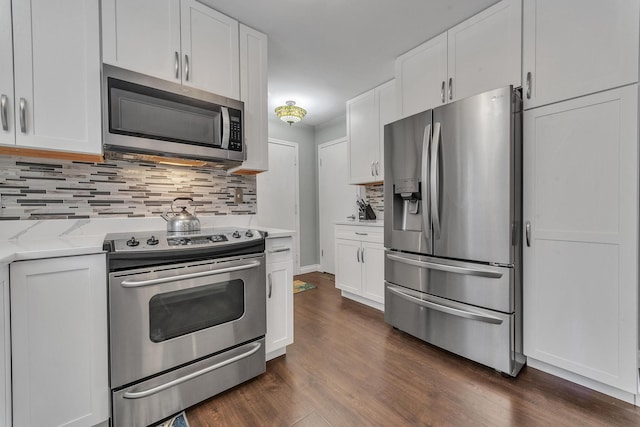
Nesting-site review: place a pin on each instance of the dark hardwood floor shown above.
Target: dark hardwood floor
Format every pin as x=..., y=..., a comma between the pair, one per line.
x=347, y=367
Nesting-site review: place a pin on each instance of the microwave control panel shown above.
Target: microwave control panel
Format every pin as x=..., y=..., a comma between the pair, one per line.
x=235, y=137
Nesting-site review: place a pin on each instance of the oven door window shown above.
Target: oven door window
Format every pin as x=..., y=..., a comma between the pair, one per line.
x=183, y=312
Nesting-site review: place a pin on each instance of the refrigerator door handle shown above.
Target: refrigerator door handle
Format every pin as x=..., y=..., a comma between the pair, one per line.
x=426, y=215
x=478, y=271
x=445, y=308
x=433, y=181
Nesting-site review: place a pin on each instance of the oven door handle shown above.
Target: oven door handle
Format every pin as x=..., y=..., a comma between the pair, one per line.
x=140, y=283
x=145, y=393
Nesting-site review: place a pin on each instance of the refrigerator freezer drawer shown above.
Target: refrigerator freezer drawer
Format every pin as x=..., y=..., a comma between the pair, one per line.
x=470, y=283
x=484, y=336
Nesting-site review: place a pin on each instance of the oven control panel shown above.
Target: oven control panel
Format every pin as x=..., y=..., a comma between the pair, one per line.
x=162, y=240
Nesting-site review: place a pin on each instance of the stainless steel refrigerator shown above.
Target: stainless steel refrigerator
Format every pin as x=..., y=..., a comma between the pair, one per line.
x=452, y=227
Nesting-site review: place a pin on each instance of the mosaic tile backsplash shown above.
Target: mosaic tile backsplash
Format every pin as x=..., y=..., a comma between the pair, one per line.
x=53, y=189
x=374, y=194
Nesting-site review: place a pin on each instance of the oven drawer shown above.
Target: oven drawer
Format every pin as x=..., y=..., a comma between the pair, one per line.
x=160, y=397
x=484, y=336
x=481, y=285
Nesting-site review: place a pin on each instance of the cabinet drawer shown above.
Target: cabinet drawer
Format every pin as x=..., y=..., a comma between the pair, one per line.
x=279, y=249
x=360, y=233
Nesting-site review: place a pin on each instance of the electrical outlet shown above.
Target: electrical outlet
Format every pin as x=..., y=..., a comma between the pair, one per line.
x=237, y=195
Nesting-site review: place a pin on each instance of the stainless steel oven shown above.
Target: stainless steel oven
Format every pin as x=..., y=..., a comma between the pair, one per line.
x=187, y=318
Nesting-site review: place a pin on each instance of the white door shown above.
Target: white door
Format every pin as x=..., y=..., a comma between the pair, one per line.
x=580, y=256
x=421, y=76
x=210, y=50
x=573, y=48
x=337, y=199
x=277, y=189
x=57, y=75
x=484, y=51
x=143, y=35
x=7, y=127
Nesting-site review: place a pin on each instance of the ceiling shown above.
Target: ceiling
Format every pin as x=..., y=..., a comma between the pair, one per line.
x=323, y=52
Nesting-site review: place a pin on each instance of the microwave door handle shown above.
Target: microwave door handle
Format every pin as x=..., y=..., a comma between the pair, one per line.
x=140, y=283
x=226, y=127
x=426, y=145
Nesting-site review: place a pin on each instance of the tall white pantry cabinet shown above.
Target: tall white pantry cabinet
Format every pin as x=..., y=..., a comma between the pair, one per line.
x=580, y=203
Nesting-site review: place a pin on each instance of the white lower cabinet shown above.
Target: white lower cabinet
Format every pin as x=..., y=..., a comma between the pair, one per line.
x=279, y=260
x=5, y=349
x=580, y=204
x=59, y=341
x=360, y=263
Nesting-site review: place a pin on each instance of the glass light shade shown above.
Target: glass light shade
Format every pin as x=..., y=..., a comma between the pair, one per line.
x=290, y=113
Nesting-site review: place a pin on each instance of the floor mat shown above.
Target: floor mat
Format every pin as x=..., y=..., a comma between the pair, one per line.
x=299, y=286
x=179, y=420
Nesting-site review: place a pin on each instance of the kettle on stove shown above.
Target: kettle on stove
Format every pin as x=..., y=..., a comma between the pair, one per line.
x=182, y=220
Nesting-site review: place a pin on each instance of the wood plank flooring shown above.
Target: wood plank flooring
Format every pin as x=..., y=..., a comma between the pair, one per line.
x=347, y=367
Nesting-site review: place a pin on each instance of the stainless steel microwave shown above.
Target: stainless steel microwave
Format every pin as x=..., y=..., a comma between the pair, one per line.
x=146, y=115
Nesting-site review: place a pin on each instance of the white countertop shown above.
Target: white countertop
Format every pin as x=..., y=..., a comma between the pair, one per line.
x=369, y=223
x=24, y=240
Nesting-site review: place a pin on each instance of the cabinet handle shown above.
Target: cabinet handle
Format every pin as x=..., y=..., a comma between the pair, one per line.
x=351, y=217
x=361, y=234
x=186, y=67
x=528, y=233
x=270, y=285
x=177, y=65
x=278, y=250
x=372, y=173
x=442, y=91
x=4, y=101
x=358, y=254
x=450, y=88
x=23, y=115
x=362, y=255
x=529, y=85
x=377, y=171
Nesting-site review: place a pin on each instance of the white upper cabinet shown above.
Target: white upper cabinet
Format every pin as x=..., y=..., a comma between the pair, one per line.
x=484, y=51
x=571, y=48
x=580, y=258
x=182, y=40
x=479, y=54
x=253, y=92
x=7, y=126
x=52, y=101
x=366, y=116
x=421, y=76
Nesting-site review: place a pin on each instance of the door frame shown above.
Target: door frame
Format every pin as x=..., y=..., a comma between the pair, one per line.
x=296, y=238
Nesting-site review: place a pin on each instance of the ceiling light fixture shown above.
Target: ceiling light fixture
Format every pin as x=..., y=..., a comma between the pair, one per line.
x=290, y=113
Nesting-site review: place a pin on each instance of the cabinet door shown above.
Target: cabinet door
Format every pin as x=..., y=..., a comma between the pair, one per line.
x=363, y=136
x=253, y=92
x=279, y=305
x=348, y=266
x=209, y=50
x=5, y=349
x=59, y=341
x=421, y=77
x=580, y=262
x=143, y=35
x=387, y=112
x=7, y=126
x=484, y=51
x=571, y=48
x=57, y=75
x=373, y=271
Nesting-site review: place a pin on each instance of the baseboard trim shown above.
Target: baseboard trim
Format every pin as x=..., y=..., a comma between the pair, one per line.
x=276, y=353
x=583, y=381
x=362, y=300
x=309, y=268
